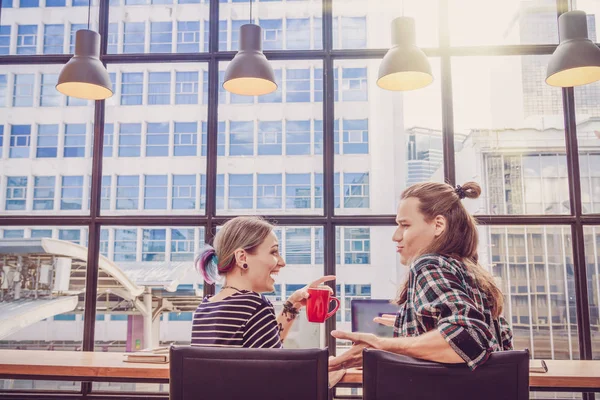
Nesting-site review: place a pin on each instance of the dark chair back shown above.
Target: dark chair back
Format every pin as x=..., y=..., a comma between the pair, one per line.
x=387, y=376
x=211, y=373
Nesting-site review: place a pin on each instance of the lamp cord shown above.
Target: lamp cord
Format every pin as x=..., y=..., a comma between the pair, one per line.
x=89, y=12
x=250, y=11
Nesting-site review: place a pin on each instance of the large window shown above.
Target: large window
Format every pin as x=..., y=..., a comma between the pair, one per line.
x=182, y=155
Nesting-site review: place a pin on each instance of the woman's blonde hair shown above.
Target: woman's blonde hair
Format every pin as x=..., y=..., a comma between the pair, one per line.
x=460, y=238
x=245, y=233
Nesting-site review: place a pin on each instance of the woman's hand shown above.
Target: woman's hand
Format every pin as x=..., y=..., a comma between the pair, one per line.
x=386, y=319
x=298, y=298
x=353, y=357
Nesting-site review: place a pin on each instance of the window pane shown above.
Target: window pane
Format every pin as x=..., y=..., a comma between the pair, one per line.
x=298, y=29
x=592, y=261
x=383, y=141
x=41, y=144
x=512, y=135
x=267, y=160
x=48, y=315
x=513, y=22
x=355, y=22
x=155, y=148
x=157, y=26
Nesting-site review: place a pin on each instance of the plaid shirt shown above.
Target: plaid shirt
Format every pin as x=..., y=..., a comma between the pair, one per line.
x=442, y=295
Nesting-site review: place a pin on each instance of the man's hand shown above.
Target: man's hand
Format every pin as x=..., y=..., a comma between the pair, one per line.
x=386, y=319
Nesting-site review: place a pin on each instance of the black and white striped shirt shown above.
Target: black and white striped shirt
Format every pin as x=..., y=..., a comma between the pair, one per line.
x=244, y=319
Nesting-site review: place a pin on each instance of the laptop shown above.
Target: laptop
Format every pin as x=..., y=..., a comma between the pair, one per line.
x=363, y=312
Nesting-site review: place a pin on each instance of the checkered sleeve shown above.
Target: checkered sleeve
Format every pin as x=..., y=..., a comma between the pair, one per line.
x=507, y=336
x=441, y=303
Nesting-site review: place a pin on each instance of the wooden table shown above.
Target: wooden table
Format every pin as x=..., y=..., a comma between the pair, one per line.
x=562, y=375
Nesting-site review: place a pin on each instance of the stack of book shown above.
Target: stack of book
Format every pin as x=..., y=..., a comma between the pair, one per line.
x=158, y=355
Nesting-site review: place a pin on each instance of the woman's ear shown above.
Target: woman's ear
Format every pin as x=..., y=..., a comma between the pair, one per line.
x=240, y=257
x=440, y=225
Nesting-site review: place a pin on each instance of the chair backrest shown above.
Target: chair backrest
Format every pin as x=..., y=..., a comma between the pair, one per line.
x=363, y=312
x=387, y=376
x=230, y=373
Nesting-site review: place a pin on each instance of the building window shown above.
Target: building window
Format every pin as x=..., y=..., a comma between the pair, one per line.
x=336, y=190
x=130, y=139
x=49, y=96
x=128, y=187
x=3, y=90
x=105, y=192
x=223, y=35
x=318, y=83
x=133, y=37
x=74, y=29
x=80, y=3
x=297, y=33
x=157, y=139
x=319, y=246
x=356, y=136
x=235, y=34
x=186, y=88
x=159, y=88
x=161, y=37
x=132, y=88
x=241, y=138
x=240, y=191
x=298, y=245
x=354, y=84
x=297, y=138
x=318, y=33
x=221, y=138
x=272, y=34
x=354, y=32
x=277, y=95
x=155, y=192
x=203, y=137
x=186, y=138
x=113, y=38
x=298, y=85
x=269, y=138
x=125, y=245
x=297, y=190
x=352, y=292
x=75, y=102
x=56, y=3
x=109, y=140
x=75, y=140
x=104, y=242
x=205, y=43
x=14, y=233
x=318, y=137
x=154, y=243
x=54, y=38
x=318, y=190
x=188, y=37
x=71, y=193
x=184, y=192
x=23, y=90
x=4, y=39
x=269, y=191
x=220, y=192
x=356, y=190
x=182, y=244
x=47, y=141
x=20, y=138
x=1, y=139
x=27, y=39
x=357, y=245
x=16, y=193
x=41, y=233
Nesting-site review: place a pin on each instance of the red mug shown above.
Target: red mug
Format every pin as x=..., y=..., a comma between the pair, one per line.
x=317, y=305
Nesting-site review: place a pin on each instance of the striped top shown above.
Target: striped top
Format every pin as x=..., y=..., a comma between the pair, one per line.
x=244, y=319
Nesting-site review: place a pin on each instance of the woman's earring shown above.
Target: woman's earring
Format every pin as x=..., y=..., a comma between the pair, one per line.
x=244, y=266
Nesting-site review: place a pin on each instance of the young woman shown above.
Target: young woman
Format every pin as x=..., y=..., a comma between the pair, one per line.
x=246, y=254
x=450, y=307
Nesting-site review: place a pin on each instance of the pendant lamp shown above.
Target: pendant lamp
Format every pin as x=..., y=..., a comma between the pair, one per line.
x=84, y=76
x=249, y=73
x=576, y=60
x=404, y=66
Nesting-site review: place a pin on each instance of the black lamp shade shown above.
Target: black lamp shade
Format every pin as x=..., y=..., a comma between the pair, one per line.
x=84, y=76
x=404, y=66
x=249, y=73
x=576, y=60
